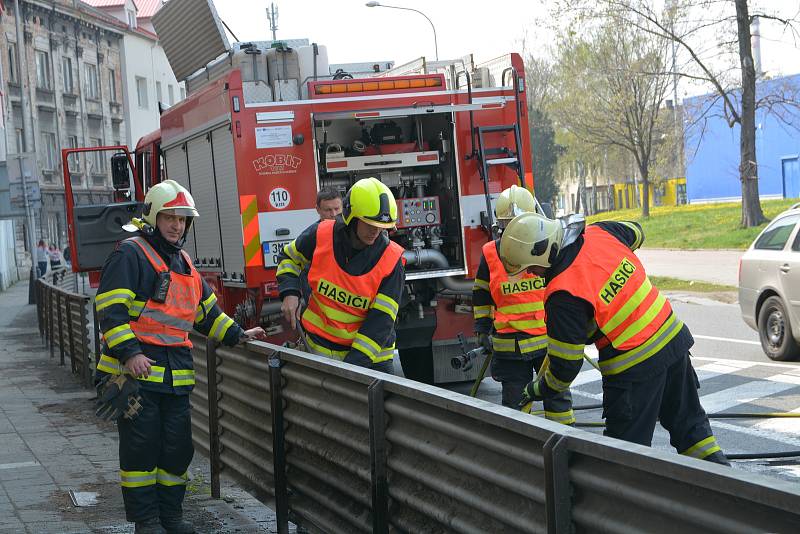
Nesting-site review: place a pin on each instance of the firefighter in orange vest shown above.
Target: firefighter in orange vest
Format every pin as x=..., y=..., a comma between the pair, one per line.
x=597, y=285
x=356, y=277
x=509, y=316
x=150, y=298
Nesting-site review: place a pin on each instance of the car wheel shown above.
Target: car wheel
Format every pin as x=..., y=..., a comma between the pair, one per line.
x=775, y=331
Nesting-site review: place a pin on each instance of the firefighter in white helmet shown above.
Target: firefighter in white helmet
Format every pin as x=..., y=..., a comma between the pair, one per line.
x=509, y=315
x=356, y=276
x=598, y=292
x=150, y=298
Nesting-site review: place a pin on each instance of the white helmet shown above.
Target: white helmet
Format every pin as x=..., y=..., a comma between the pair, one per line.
x=532, y=239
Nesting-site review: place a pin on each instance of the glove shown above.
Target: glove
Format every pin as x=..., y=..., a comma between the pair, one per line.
x=118, y=396
x=530, y=394
x=485, y=341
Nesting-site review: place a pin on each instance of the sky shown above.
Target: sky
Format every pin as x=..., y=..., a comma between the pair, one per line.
x=353, y=32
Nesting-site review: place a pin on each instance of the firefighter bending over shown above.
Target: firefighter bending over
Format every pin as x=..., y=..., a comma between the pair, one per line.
x=596, y=284
x=150, y=298
x=509, y=316
x=356, y=278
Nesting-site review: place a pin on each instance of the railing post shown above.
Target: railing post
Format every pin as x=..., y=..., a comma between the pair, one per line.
x=377, y=457
x=213, y=415
x=557, y=490
x=87, y=301
x=50, y=320
x=70, y=338
x=278, y=444
x=59, y=296
x=39, y=308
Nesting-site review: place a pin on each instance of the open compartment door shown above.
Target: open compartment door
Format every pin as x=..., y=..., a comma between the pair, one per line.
x=95, y=229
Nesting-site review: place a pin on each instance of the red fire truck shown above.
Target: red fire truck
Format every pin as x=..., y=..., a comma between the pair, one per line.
x=254, y=150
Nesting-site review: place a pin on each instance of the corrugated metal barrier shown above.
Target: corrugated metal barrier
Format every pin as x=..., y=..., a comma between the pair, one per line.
x=64, y=324
x=335, y=448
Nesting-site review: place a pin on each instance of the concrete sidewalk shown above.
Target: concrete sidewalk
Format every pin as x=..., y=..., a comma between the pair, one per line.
x=51, y=443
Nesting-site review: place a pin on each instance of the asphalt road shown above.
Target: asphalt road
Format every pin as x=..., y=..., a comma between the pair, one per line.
x=717, y=266
x=735, y=376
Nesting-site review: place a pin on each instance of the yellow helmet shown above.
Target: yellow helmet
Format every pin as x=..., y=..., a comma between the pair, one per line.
x=512, y=202
x=371, y=201
x=530, y=239
x=168, y=196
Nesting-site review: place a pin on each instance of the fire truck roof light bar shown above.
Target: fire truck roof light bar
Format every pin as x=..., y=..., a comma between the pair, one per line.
x=367, y=86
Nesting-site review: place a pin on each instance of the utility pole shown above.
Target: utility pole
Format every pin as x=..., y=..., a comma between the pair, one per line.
x=272, y=15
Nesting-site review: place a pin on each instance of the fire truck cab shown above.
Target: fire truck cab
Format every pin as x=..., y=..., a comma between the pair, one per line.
x=262, y=130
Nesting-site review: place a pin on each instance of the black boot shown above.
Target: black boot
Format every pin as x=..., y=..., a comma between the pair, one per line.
x=149, y=526
x=176, y=525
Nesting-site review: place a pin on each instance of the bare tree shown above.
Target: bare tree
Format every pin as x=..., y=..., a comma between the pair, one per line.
x=611, y=89
x=715, y=37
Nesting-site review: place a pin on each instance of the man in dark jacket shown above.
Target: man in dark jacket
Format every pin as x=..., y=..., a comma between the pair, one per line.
x=355, y=276
x=150, y=298
x=598, y=292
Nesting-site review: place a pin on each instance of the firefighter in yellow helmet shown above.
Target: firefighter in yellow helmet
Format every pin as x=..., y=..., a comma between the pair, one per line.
x=598, y=292
x=150, y=298
x=356, y=278
x=509, y=315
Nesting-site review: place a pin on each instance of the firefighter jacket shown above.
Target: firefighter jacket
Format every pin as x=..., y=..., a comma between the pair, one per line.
x=597, y=291
x=513, y=308
x=355, y=292
x=133, y=323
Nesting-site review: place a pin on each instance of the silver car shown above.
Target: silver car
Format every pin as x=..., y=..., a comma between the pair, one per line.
x=769, y=286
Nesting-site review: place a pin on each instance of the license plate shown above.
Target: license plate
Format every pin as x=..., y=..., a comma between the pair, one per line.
x=271, y=250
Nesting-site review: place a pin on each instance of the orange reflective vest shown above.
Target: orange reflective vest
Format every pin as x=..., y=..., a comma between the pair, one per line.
x=339, y=302
x=168, y=323
x=519, y=305
x=631, y=313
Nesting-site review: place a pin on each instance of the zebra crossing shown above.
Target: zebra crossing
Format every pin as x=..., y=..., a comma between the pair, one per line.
x=726, y=385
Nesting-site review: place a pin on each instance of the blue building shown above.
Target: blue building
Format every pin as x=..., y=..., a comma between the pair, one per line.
x=712, y=147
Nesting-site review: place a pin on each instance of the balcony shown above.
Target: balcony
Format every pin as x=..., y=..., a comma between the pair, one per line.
x=45, y=98
x=115, y=109
x=72, y=105
x=94, y=108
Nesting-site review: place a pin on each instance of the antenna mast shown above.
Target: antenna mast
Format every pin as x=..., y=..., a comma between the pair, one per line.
x=272, y=15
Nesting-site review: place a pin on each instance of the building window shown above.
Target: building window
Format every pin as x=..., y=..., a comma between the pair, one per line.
x=171, y=93
x=159, y=96
x=112, y=85
x=66, y=74
x=12, y=63
x=141, y=91
x=98, y=162
x=42, y=70
x=92, y=87
x=74, y=159
x=20, y=140
x=50, y=156
x=131, y=18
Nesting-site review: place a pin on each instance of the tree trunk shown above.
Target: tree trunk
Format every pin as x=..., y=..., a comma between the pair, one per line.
x=645, y=191
x=748, y=167
x=594, y=192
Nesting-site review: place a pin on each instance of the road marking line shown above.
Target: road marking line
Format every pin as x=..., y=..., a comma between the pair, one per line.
x=743, y=394
x=728, y=339
x=768, y=364
x=19, y=465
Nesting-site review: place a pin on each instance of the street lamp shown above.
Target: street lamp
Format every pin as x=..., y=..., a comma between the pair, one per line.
x=435, y=43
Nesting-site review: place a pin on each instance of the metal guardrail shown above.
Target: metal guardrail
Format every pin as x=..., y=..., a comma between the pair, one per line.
x=64, y=324
x=335, y=448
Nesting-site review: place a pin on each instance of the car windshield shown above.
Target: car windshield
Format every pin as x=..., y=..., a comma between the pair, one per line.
x=777, y=234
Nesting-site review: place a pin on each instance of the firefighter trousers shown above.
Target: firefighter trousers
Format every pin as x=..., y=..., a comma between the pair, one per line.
x=631, y=409
x=155, y=451
x=514, y=373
